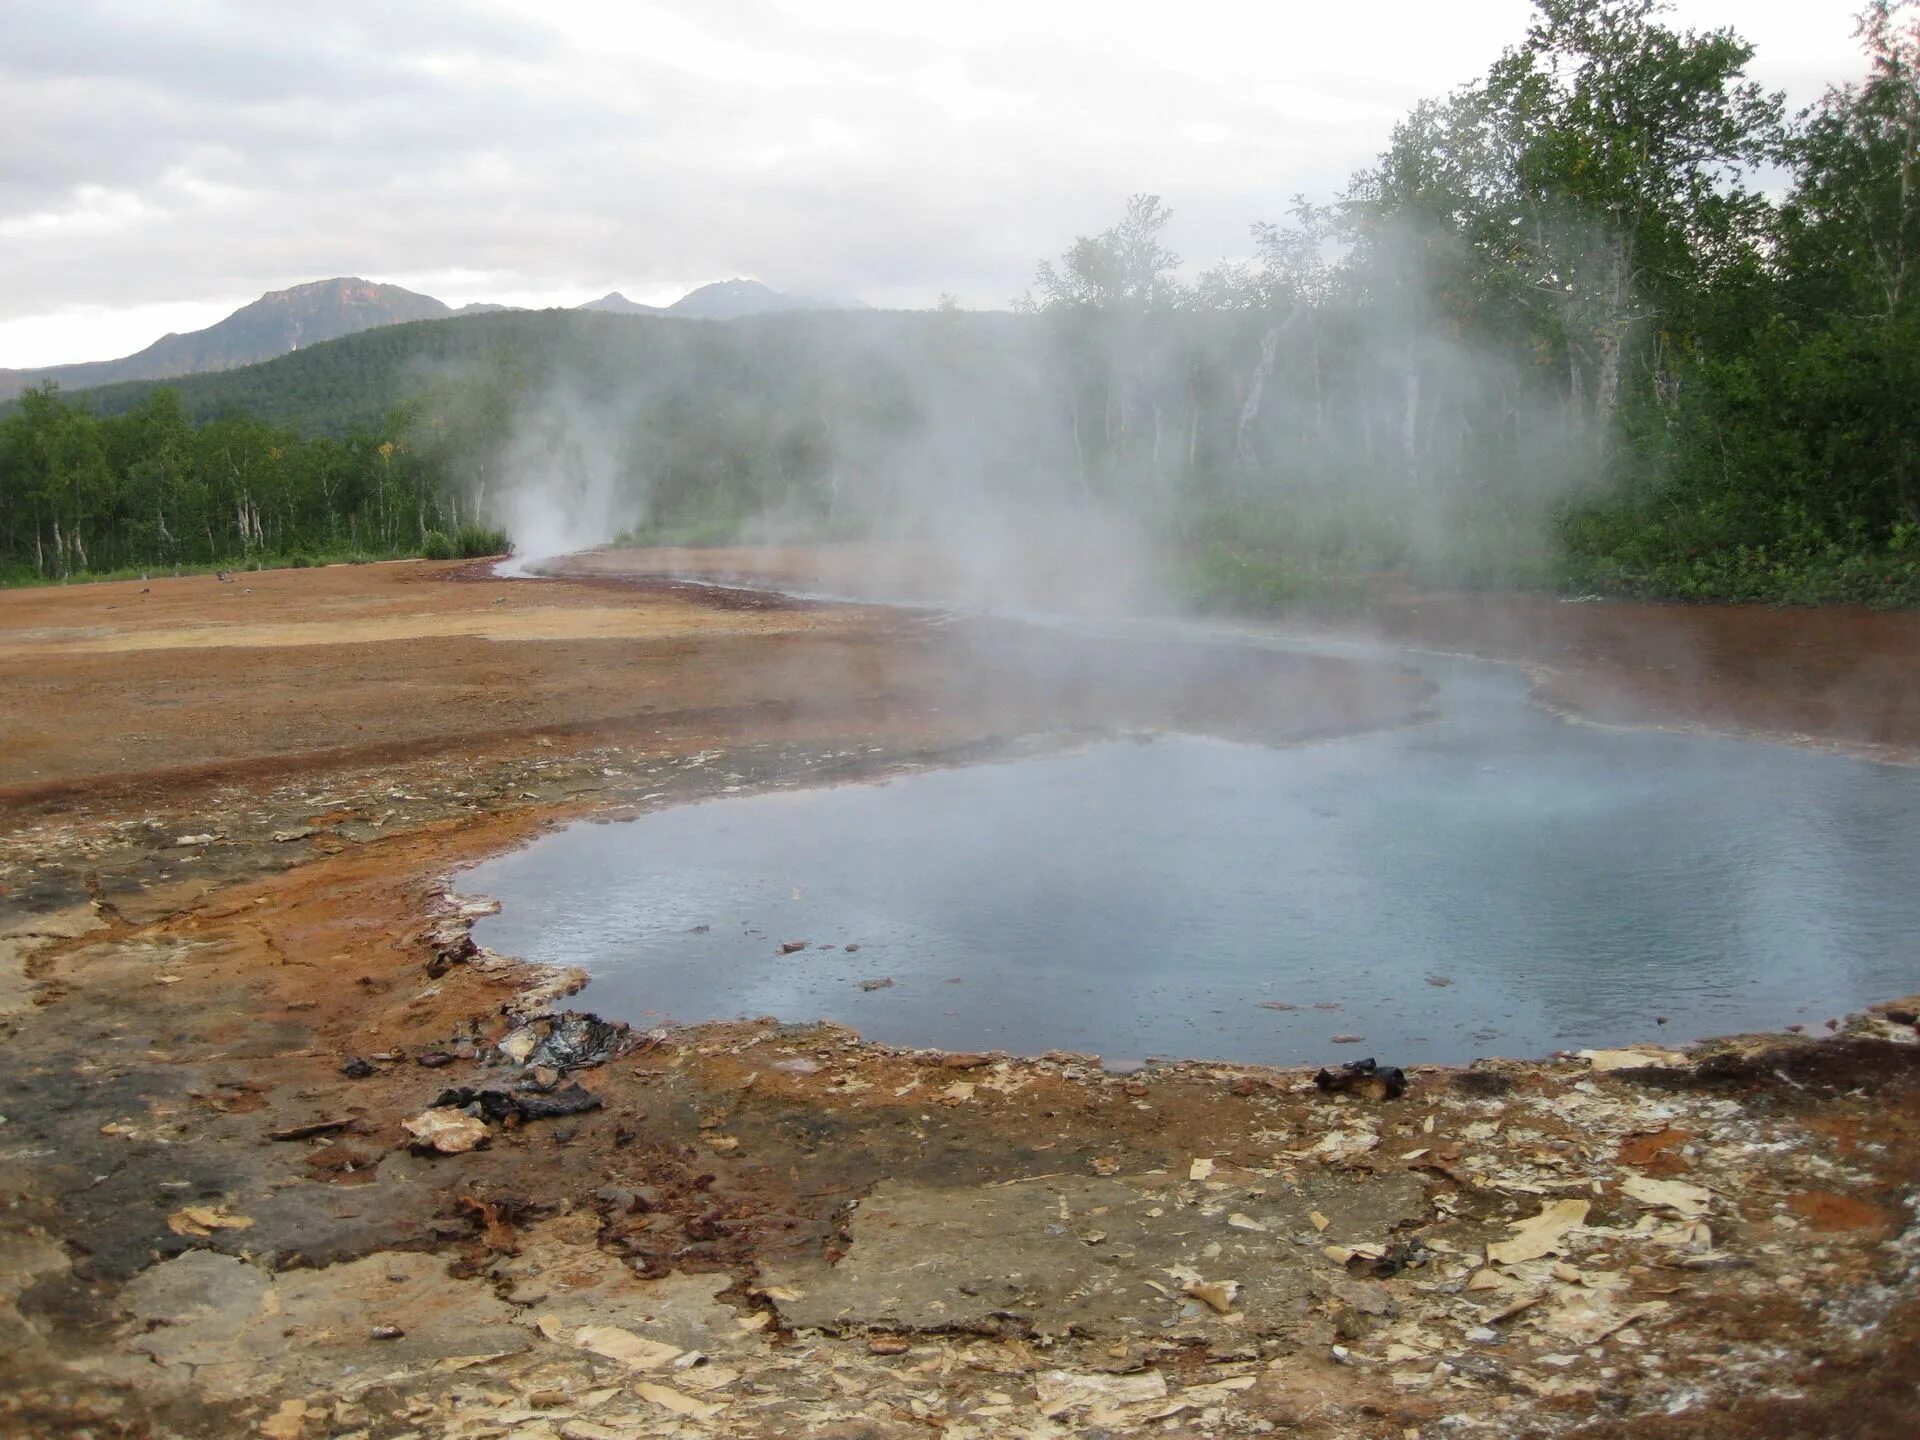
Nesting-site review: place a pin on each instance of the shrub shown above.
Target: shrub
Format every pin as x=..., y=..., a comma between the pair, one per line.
x=437, y=546
x=474, y=541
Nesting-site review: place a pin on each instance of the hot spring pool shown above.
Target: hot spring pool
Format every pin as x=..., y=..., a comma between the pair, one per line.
x=1498, y=882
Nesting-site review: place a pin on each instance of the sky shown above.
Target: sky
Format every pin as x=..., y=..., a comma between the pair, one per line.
x=168, y=163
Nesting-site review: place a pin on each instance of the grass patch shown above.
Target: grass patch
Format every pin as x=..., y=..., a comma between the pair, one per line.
x=468, y=543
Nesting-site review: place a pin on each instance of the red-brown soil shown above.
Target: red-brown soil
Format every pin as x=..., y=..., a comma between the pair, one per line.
x=228, y=813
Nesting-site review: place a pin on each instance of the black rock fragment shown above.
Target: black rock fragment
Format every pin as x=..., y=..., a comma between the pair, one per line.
x=498, y=1105
x=1364, y=1078
x=578, y=1040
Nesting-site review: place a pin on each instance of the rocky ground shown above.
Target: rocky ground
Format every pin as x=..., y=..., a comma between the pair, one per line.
x=283, y=1153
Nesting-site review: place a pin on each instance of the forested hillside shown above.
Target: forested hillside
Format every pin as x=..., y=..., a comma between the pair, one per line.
x=278, y=322
x=1557, y=334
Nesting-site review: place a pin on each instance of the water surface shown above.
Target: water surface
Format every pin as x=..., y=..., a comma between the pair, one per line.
x=1500, y=882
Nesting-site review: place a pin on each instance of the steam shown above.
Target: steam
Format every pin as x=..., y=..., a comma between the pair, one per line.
x=1303, y=421
x=572, y=476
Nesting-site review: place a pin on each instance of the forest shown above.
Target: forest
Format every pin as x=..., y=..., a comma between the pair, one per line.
x=1608, y=319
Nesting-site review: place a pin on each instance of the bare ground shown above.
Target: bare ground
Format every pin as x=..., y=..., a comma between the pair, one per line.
x=228, y=820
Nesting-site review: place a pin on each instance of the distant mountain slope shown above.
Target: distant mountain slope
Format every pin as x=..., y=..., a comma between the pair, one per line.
x=735, y=299
x=283, y=321
x=614, y=303
x=722, y=300
x=278, y=322
x=353, y=383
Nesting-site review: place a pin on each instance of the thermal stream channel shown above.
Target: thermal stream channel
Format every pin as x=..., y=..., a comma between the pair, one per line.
x=1497, y=882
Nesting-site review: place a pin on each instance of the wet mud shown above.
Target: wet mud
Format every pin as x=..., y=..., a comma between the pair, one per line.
x=767, y=1229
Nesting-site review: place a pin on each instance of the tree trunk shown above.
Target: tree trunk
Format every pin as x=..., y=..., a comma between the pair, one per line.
x=1079, y=447
x=1610, y=342
x=1257, y=384
x=1256, y=387
x=1410, y=421
x=1193, y=420
x=1319, y=391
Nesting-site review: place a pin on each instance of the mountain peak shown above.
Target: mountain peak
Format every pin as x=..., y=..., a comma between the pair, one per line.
x=732, y=299
x=279, y=321
x=614, y=303
x=722, y=300
x=316, y=310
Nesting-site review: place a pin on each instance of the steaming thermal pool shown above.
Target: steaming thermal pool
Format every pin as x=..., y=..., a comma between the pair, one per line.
x=1499, y=882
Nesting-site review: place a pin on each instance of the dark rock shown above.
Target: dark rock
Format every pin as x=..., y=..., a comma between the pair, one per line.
x=450, y=945
x=616, y=1199
x=1364, y=1078
x=1408, y=1255
x=498, y=1105
x=578, y=1040
x=356, y=1068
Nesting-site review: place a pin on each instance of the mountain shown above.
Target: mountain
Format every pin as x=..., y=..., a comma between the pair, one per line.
x=351, y=384
x=278, y=322
x=722, y=300
x=732, y=299
x=614, y=303
x=283, y=321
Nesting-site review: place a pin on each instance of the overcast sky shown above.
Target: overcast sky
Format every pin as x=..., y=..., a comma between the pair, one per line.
x=167, y=162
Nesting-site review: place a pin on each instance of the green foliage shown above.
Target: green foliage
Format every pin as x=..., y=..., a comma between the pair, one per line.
x=473, y=542
x=1223, y=577
x=1554, y=337
x=83, y=495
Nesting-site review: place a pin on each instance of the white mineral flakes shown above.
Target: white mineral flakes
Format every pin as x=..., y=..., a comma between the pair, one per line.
x=622, y=1345
x=447, y=1130
x=668, y=1398
x=1216, y=1295
x=1539, y=1235
x=1603, y=1060
x=197, y=1220
x=516, y=1047
x=1587, y=1319
x=287, y=1422
x=1690, y=1201
x=1064, y=1390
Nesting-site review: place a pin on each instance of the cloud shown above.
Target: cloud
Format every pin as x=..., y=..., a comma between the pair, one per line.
x=213, y=149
